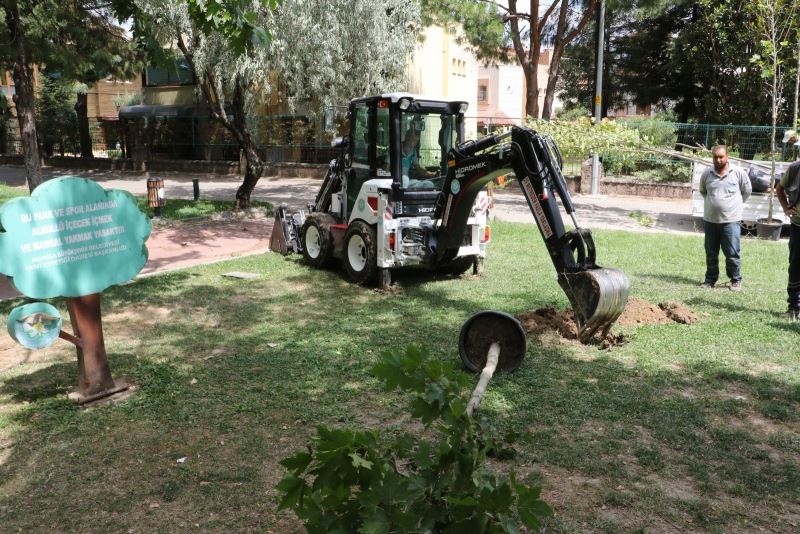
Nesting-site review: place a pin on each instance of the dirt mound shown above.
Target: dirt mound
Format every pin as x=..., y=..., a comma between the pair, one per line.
x=639, y=311
x=678, y=312
x=548, y=320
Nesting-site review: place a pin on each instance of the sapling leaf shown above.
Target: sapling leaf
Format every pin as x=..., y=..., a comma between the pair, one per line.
x=375, y=522
x=508, y=524
x=292, y=488
x=365, y=482
x=531, y=510
x=297, y=463
x=359, y=462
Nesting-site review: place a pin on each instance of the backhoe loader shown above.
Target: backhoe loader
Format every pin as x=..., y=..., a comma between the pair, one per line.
x=407, y=190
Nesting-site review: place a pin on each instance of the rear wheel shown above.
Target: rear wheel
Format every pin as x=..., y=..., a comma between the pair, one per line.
x=317, y=240
x=360, y=253
x=458, y=266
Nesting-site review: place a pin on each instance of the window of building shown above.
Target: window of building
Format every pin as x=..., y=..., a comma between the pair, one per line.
x=483, y=92
x=458, y=67
x=181, y=74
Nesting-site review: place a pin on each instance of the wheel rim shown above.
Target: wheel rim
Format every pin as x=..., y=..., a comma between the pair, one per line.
x=312, y=241
x=357, y=253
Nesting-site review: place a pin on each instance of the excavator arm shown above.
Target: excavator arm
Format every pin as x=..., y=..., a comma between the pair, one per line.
x=598, y=295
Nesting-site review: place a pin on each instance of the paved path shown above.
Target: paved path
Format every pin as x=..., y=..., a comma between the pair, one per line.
x=598, y=211
x=178, y=246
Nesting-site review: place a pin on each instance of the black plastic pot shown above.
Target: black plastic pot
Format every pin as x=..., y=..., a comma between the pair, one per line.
x=769, y=230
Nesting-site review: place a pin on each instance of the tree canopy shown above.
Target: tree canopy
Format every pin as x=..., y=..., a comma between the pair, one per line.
x=499, y=32
x=76, y=39
x=695, y=58
x=328, y=52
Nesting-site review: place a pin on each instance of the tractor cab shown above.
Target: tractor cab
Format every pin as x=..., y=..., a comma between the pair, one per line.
x=403, y=139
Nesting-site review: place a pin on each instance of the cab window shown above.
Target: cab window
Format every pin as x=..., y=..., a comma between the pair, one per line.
x=361, y=135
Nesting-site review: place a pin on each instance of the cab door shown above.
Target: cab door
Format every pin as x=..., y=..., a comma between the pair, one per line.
x=371, y=154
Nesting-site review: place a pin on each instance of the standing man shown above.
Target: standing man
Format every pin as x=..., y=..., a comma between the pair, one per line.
x=725, y=188
x=788, y=191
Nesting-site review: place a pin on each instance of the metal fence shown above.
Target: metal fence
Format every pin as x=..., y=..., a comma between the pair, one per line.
x=302, y=139
x=747, y=142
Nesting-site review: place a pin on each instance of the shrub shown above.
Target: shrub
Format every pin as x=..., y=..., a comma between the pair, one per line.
x=655, y=132
x=579, y=138
x=350, y=481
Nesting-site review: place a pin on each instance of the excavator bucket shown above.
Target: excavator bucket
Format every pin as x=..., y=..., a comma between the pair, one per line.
x=598, y=297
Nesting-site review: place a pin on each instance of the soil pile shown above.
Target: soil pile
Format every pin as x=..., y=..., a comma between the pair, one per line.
x=637, y=312
x=679, y=313
x=548, y=319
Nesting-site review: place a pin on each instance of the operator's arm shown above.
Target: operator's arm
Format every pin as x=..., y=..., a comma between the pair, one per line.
x=420, y=171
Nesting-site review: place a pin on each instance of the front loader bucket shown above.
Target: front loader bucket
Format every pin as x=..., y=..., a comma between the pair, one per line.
x=277, y=241
x=598, y=297
x=286, y=231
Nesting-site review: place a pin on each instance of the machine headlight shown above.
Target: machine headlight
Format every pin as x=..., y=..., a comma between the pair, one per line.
x=404, y=103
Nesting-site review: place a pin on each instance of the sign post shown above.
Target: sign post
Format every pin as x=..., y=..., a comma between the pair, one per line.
x=72, y=238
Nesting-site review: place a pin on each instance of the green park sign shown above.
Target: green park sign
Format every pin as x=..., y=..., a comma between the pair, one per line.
x=71, y=238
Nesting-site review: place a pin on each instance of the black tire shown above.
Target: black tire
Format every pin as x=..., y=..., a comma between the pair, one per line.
x=458, y=266
x=360, y=254
x=317, y=240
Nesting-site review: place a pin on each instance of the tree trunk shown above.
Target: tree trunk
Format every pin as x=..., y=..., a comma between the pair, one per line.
x=532, y=91
x=94, y=373
x=24, y=98
x=254, y=165
x=528, y=57
x=238, y=126
x=552, y=80
x=562, y=38
x=82, y=110
x=253, y=169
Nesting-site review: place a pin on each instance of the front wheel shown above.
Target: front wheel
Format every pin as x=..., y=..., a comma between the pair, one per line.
x=317, y=240
x=360, y=253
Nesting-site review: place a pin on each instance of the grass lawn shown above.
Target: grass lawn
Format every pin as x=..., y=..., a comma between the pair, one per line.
x=7, y=192
x=684, y=428
x=174, y=210
x=181, y=209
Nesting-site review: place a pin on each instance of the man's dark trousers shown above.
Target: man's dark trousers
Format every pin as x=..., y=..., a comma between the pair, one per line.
x=793, y=288
x=725, y=236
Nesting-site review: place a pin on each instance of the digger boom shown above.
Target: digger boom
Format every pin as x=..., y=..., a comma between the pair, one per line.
x=598, y=295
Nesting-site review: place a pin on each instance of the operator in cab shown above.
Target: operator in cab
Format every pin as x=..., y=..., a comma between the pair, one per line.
x=414, y=174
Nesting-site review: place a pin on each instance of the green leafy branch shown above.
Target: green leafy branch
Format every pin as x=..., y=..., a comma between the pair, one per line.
x=236, y=20
x=361, y=481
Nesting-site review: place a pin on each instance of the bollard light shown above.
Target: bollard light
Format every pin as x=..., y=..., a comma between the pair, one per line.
x=155, y=195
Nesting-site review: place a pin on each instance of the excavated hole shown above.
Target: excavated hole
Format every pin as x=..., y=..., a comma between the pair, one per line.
x=547, y=321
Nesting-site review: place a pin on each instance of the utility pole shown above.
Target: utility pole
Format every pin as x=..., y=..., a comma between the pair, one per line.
x=598, y=84
x=598, y=89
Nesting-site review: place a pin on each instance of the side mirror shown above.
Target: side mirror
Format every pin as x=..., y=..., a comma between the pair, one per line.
x=339, y=142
